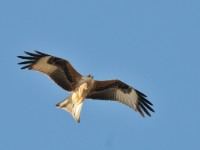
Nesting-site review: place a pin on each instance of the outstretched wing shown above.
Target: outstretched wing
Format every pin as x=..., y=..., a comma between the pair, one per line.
x=58, y=69
x=118, y=91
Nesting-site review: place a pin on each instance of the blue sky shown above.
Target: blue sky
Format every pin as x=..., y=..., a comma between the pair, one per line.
x=153, y=46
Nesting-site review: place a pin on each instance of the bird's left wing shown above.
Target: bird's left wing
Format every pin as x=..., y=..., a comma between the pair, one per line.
x=58, y=69
x=118, y=91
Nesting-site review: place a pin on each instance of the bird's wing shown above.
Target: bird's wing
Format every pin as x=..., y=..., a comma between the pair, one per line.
x=58, y=69
x=118, y=91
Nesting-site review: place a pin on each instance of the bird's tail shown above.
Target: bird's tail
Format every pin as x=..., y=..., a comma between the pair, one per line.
x=73, y=108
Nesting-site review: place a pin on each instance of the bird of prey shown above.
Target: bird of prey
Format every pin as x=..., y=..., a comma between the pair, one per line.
x=84, y=87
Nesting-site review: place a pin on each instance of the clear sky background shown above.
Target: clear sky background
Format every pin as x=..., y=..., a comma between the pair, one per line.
x=153, y=46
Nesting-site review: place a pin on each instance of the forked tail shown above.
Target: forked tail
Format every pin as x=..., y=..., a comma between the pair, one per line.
x=73, y=108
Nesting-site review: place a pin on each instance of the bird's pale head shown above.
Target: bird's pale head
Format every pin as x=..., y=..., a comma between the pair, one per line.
x=86, y=79
x=90, y=76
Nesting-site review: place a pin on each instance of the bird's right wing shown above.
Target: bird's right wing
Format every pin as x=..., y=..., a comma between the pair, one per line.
x=58, y=69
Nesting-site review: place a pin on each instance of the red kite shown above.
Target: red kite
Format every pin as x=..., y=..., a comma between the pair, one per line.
x=84, y=87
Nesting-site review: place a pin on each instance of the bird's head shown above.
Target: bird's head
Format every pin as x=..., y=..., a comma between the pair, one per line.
x=86, y=78
x=90, y=76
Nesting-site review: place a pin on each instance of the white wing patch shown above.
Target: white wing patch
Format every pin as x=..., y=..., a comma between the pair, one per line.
x=43, y=66
x=130, y=99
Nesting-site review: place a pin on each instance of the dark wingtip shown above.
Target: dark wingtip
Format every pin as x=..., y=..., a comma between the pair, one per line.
x=148, y=106
x=140, y=111
x=26, y=62
x=147, y=101
x=26, y=57
x=27, y=66
x=145, y=110
x=31, y=58
x=144, y=104
x=140, y=93
x=26, y=52
x=31, y=54
x=40, y=53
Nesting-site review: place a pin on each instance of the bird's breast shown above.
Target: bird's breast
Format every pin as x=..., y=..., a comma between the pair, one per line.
x=81, y=92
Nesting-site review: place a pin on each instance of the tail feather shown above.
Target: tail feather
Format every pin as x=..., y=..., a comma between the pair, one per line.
x=73, y=108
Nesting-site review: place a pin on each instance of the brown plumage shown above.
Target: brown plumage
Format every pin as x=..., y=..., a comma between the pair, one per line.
x=81, y=87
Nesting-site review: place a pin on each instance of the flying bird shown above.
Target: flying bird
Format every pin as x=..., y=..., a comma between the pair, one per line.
x=84, y=87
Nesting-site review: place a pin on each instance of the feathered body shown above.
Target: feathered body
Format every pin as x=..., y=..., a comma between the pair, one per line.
x=73, y=104
x=84, y=87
